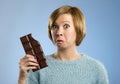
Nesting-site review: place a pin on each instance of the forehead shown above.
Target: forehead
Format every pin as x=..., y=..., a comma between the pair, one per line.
x=64, y=18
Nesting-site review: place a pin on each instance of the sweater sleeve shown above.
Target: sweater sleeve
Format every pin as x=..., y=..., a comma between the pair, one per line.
x=102, y=75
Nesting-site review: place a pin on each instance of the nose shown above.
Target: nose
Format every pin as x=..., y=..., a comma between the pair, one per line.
x=59, y=32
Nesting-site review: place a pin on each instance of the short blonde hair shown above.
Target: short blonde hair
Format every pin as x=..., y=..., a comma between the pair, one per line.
x=78, y=19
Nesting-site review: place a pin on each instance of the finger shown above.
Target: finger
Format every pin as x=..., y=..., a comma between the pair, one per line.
x=31, y=64
x=31, y=67
x=28, y=55
x=28, y=62
x=28, y=68
x=28, y=58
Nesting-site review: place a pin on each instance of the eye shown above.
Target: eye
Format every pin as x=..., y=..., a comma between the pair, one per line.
x=54, y=26
x=66, y=26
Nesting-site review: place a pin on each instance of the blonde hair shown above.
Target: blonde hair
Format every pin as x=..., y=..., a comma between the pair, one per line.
x=78, y=19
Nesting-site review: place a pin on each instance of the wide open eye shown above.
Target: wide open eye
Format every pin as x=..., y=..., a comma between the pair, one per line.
x=66, y=26
x=54, y=26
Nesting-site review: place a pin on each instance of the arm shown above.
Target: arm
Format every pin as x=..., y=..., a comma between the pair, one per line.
x=26, y=63
x=103, y=76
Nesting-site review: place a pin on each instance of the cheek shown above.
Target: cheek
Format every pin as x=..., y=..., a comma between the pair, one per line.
x=53, y=36
x=72, y=36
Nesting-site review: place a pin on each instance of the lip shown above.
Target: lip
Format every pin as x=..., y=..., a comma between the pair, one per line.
x=59, y=40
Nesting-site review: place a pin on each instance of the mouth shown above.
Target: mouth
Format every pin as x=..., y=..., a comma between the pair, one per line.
x=59, y=41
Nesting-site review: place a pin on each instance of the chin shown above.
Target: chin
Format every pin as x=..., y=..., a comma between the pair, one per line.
x=61, y=47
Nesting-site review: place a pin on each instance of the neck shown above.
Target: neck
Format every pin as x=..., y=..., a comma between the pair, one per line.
x=67, y=54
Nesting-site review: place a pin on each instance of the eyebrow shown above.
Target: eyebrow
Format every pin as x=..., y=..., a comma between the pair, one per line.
x=62, y=22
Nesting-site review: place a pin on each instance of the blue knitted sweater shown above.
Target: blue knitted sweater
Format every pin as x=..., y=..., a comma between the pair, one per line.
x=85, y=70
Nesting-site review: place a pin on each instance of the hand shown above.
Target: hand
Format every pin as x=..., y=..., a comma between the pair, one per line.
x=26, y=63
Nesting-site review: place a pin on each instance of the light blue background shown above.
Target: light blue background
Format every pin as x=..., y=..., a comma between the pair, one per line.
x=21, y=17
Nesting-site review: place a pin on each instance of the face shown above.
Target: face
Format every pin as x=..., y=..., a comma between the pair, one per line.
x=63, y=32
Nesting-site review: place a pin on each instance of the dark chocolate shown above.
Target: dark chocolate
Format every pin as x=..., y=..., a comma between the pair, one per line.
x=33, y=47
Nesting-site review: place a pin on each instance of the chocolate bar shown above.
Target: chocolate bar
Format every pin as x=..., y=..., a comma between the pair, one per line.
x=33, y=47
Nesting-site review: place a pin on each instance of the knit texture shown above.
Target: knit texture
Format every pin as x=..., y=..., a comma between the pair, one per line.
x=85, y=70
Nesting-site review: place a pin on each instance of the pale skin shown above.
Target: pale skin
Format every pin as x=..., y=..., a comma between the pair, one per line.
x=65, y=32
x=26, y=63
x=63, y=36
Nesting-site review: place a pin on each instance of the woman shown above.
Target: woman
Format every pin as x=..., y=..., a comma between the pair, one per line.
x=66, y=30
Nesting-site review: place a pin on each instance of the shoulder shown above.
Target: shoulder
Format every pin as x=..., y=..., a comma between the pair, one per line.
x=93, y=61
x=95, y=64
x=99, y=68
